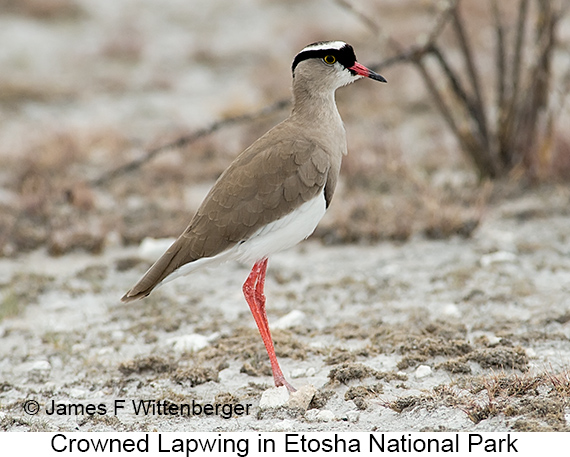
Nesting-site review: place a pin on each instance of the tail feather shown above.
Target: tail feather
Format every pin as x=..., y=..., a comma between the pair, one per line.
x=170, y=261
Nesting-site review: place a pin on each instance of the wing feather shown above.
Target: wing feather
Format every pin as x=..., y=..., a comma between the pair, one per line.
x=265, y=182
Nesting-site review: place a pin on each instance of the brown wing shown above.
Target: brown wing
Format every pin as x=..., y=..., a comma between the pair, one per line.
x=262, y=185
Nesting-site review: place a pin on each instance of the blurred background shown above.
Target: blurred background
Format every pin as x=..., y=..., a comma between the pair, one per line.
x=95, y=95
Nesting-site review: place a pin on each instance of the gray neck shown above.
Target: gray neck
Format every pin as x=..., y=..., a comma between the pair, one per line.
x=316, y=111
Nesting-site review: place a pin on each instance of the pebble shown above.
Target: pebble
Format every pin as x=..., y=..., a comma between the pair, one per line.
x=326, y=415
x=303, y=372
x=292, y=319
x=77, y=393
x=274, y=397
x=497, y=257
x=353, y=416
x=189, y=343
x=422, y=371
x=40, y=365
x=493, y=340
x=451, y=310
x=285, y=425
x=298, y=373
x=302, y=398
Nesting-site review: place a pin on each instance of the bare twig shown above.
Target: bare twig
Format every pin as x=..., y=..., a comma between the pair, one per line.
x=476, y=140
x=500, y=57
x=519, y=43
x=472, y=73
x=370, y=23
x=411, y=53
x=454, y=81
x=495, y=151
x=467, y=141
x=531, y=147
x=188, y=139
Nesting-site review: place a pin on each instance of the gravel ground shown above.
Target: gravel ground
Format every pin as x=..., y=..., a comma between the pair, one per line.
x=426, y=335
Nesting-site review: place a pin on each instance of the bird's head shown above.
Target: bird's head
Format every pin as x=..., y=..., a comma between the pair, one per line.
x=330, y=65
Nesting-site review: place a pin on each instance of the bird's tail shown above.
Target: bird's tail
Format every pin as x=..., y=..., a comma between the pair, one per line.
x=168, y=263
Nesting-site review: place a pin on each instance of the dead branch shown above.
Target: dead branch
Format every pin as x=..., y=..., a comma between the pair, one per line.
x=494, y=151
x=411, y=54
x=478, y=111
x=188, y=139
x=500, y=56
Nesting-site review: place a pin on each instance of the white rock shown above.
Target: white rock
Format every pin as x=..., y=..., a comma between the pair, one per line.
x=311, y=415
x=188, y=343
x=353, y=416
x=226, y=375
x=422, y=372
x=285, y=425
x=451, y=310
x=274, y=397
x=77, y=393
x=303, y=372
x=318, y=344
x=497, y=257
x=40, y=365
x=493, y=340
x=291, y=319
x=311, y=371
x=326, y=415
x=302, y=398
x=298, y=372
x=152, y=248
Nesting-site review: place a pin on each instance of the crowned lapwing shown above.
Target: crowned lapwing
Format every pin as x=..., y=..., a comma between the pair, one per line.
x=273, y=195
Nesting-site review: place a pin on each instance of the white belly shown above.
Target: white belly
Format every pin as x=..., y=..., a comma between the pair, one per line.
x=282, y=233
x=274, y=237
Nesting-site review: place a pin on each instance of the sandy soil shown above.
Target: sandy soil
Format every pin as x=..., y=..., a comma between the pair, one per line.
x=468, y=332
x=427, y=335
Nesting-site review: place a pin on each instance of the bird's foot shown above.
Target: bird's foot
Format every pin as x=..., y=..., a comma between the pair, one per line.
x=281, y=381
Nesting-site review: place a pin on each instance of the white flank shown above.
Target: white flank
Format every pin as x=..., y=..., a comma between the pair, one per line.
x=283, y=233
x=276, y=236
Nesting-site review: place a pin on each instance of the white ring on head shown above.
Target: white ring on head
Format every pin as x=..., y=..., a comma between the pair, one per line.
x=337, y=45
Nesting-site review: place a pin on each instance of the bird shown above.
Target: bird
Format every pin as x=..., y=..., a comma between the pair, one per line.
x=273, y=195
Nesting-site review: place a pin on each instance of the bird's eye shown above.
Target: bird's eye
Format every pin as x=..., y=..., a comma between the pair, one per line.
x=330, y=59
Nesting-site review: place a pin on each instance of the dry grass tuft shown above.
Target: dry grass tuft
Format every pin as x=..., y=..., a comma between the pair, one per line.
x=148, y=364
x=538, y=401
x=383, y=198
x=534, y=396
x=196, y=375
x=52, y=205
x=22, y=290
x=43, y=9
x=14, y=92
x=512, y=127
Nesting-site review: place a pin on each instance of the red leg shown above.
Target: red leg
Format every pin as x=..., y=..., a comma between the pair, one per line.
x=255, y=297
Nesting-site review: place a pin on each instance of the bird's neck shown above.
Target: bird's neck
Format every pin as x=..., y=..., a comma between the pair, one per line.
x=316, y=108
x=317, y=113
